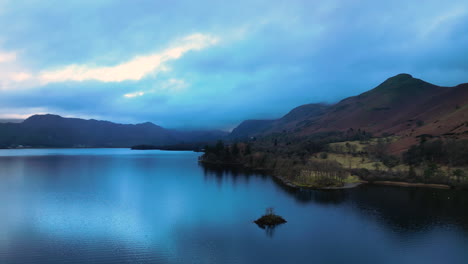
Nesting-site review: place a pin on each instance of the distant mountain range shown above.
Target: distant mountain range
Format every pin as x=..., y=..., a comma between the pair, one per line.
x=401, y=105
x=56, y=131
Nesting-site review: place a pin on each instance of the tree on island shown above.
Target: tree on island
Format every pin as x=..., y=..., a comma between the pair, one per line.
x=269, y=219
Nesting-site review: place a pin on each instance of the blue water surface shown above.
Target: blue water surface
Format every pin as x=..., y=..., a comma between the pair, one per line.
x=127, y=206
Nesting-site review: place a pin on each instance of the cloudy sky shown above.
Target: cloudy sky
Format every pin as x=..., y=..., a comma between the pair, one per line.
x=212, y=64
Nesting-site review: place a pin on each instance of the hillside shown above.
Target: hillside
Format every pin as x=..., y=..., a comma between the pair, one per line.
x=56, y=131
x=250, y=128
x=404, y=131
x=301, y=116
x=401, y=105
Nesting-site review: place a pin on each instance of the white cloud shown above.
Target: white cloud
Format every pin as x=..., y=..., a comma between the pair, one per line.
x=20, y=76
x=7, y=57
x=135, y=94
x=12, y=73
x=135, y=69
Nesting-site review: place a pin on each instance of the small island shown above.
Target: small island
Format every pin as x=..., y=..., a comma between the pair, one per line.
x=269, y=219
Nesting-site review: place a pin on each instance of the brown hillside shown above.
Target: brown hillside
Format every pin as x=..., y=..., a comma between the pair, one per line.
x=401, y=105
x=404, y=106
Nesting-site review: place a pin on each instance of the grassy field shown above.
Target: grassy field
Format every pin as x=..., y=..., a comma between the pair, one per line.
x=350, y=161
x=311, y=181
x=359, y=146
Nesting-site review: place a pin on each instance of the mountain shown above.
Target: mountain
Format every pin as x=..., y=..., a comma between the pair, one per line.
x=298, y=117
x=401, y=105
x=250, y=128
x=56, y=131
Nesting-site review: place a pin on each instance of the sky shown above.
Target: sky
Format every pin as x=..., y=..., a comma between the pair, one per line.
x=212, y=64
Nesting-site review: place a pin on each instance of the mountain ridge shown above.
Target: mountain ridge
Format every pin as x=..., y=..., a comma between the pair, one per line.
x=51, y=130
x=401, y=105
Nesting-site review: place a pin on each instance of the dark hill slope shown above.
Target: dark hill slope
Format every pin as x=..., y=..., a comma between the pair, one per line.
x=404, y=106
x=298, y=117
x=250, y=128
x=382, y=109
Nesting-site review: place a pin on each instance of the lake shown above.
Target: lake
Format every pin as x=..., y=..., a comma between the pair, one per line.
x=124, y=206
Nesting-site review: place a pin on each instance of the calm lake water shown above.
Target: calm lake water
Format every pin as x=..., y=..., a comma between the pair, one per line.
x=123, y=206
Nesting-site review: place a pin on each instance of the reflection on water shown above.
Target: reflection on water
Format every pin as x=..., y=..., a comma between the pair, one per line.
x=405, y=208
x=122, y=206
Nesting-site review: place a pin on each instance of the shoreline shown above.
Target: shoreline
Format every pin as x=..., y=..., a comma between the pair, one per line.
x=408, y=184
x=346, y=185
x=356, y=184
